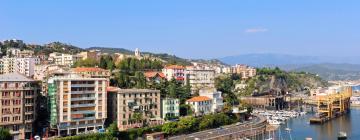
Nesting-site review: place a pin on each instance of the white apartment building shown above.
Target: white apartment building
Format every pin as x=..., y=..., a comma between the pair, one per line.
x=63, y=59
x=77, y=104
x=201, y=105
x=25, y=66
x=217, y=99
x=14, y=52
x=174, y=71
x=200, y=77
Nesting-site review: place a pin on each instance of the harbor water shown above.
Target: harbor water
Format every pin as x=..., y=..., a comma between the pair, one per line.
x=301, y=129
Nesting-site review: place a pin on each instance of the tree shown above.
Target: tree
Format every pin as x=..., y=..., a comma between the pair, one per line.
x=171, y=89
x=106, y=62
x=187, y=125
x=5, y=134
x=140, y=80
x=88, y=62
x=170, y=128
x=113, y=129
x=137, y=117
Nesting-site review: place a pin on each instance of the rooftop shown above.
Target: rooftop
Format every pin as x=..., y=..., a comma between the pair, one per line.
x=153, y=74
x=174, y=67
x=88, y=69
x=121, y=91
x=14, y=77
x=198, y=99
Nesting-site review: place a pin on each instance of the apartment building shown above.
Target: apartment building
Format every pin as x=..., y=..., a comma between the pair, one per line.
x=92, y=72
x=201, y=105
x=63, y=59
x=25, y=66
x=14, y=52
x=199, y=77
x=217, y=99
x=77, y=104
x=131, y=108
x=174, y=71
x=170, y=108
x=93, y=54
x=244, y=70
x=18, y=97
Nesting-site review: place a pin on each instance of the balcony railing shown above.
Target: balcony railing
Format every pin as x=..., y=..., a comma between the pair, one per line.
x=83, y=99
x=83, y=112
x=82, y=105
x=83, y=119
x=83, y=92
x=82, y=85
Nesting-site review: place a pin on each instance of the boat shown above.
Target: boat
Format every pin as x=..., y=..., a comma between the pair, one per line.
x=274, y=122
x=355, y=101
x=342, y=136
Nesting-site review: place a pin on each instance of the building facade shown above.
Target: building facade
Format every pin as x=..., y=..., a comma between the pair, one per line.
x=217, y=99
x=25, y=66
x=63, y=59
x=77, y=104
x=18, y=97
x=200, y=77
x=201, y=105
x=92, y=72
x=93, y=54
x=174, y=71
x=132, y=108
x=244, y=70
x=170, y=108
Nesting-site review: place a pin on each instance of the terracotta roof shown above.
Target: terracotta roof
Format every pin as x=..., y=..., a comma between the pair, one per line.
x=174, y=67
x=88, y=69
x=150, y=74
x=198, y=99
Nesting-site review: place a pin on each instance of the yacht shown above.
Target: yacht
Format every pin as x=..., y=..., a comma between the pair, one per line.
x=355, y=101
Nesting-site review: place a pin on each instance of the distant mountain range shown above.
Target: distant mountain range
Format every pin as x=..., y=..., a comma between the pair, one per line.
x=329, y=68
x=271, y=59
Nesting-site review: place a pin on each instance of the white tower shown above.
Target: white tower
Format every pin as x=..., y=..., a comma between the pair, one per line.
x=137, y=53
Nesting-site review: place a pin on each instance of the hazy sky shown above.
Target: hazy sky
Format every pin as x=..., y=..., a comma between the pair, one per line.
x=190, y=28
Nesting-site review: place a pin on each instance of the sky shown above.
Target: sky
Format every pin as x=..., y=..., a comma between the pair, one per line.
x=190, y=28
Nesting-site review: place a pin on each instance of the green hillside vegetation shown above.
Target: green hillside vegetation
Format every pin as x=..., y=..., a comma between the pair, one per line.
x=40, y=49
x=274, y=78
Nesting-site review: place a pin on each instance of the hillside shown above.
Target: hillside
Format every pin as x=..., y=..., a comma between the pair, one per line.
x=71, y=49
x=273, y=59
x=330, y=71
x=268, y=79
x=40, y=49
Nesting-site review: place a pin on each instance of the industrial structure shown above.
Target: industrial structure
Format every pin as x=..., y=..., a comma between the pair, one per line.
x=332, y=105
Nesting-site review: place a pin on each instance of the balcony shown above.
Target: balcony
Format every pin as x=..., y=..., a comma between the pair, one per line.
x=82, y=105
x=83, y=92
x=29, y=112
x=83, y=119
x=82, y=85
x=83, y=112
x=29, y=96
x=29, y=104
x=83, y=99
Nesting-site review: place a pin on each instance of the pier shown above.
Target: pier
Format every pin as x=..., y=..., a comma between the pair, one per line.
x=332, y=105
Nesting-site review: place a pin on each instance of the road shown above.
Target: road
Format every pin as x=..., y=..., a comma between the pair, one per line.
x=256, y=125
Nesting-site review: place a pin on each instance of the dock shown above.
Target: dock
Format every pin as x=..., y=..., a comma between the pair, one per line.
x=332, y=105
